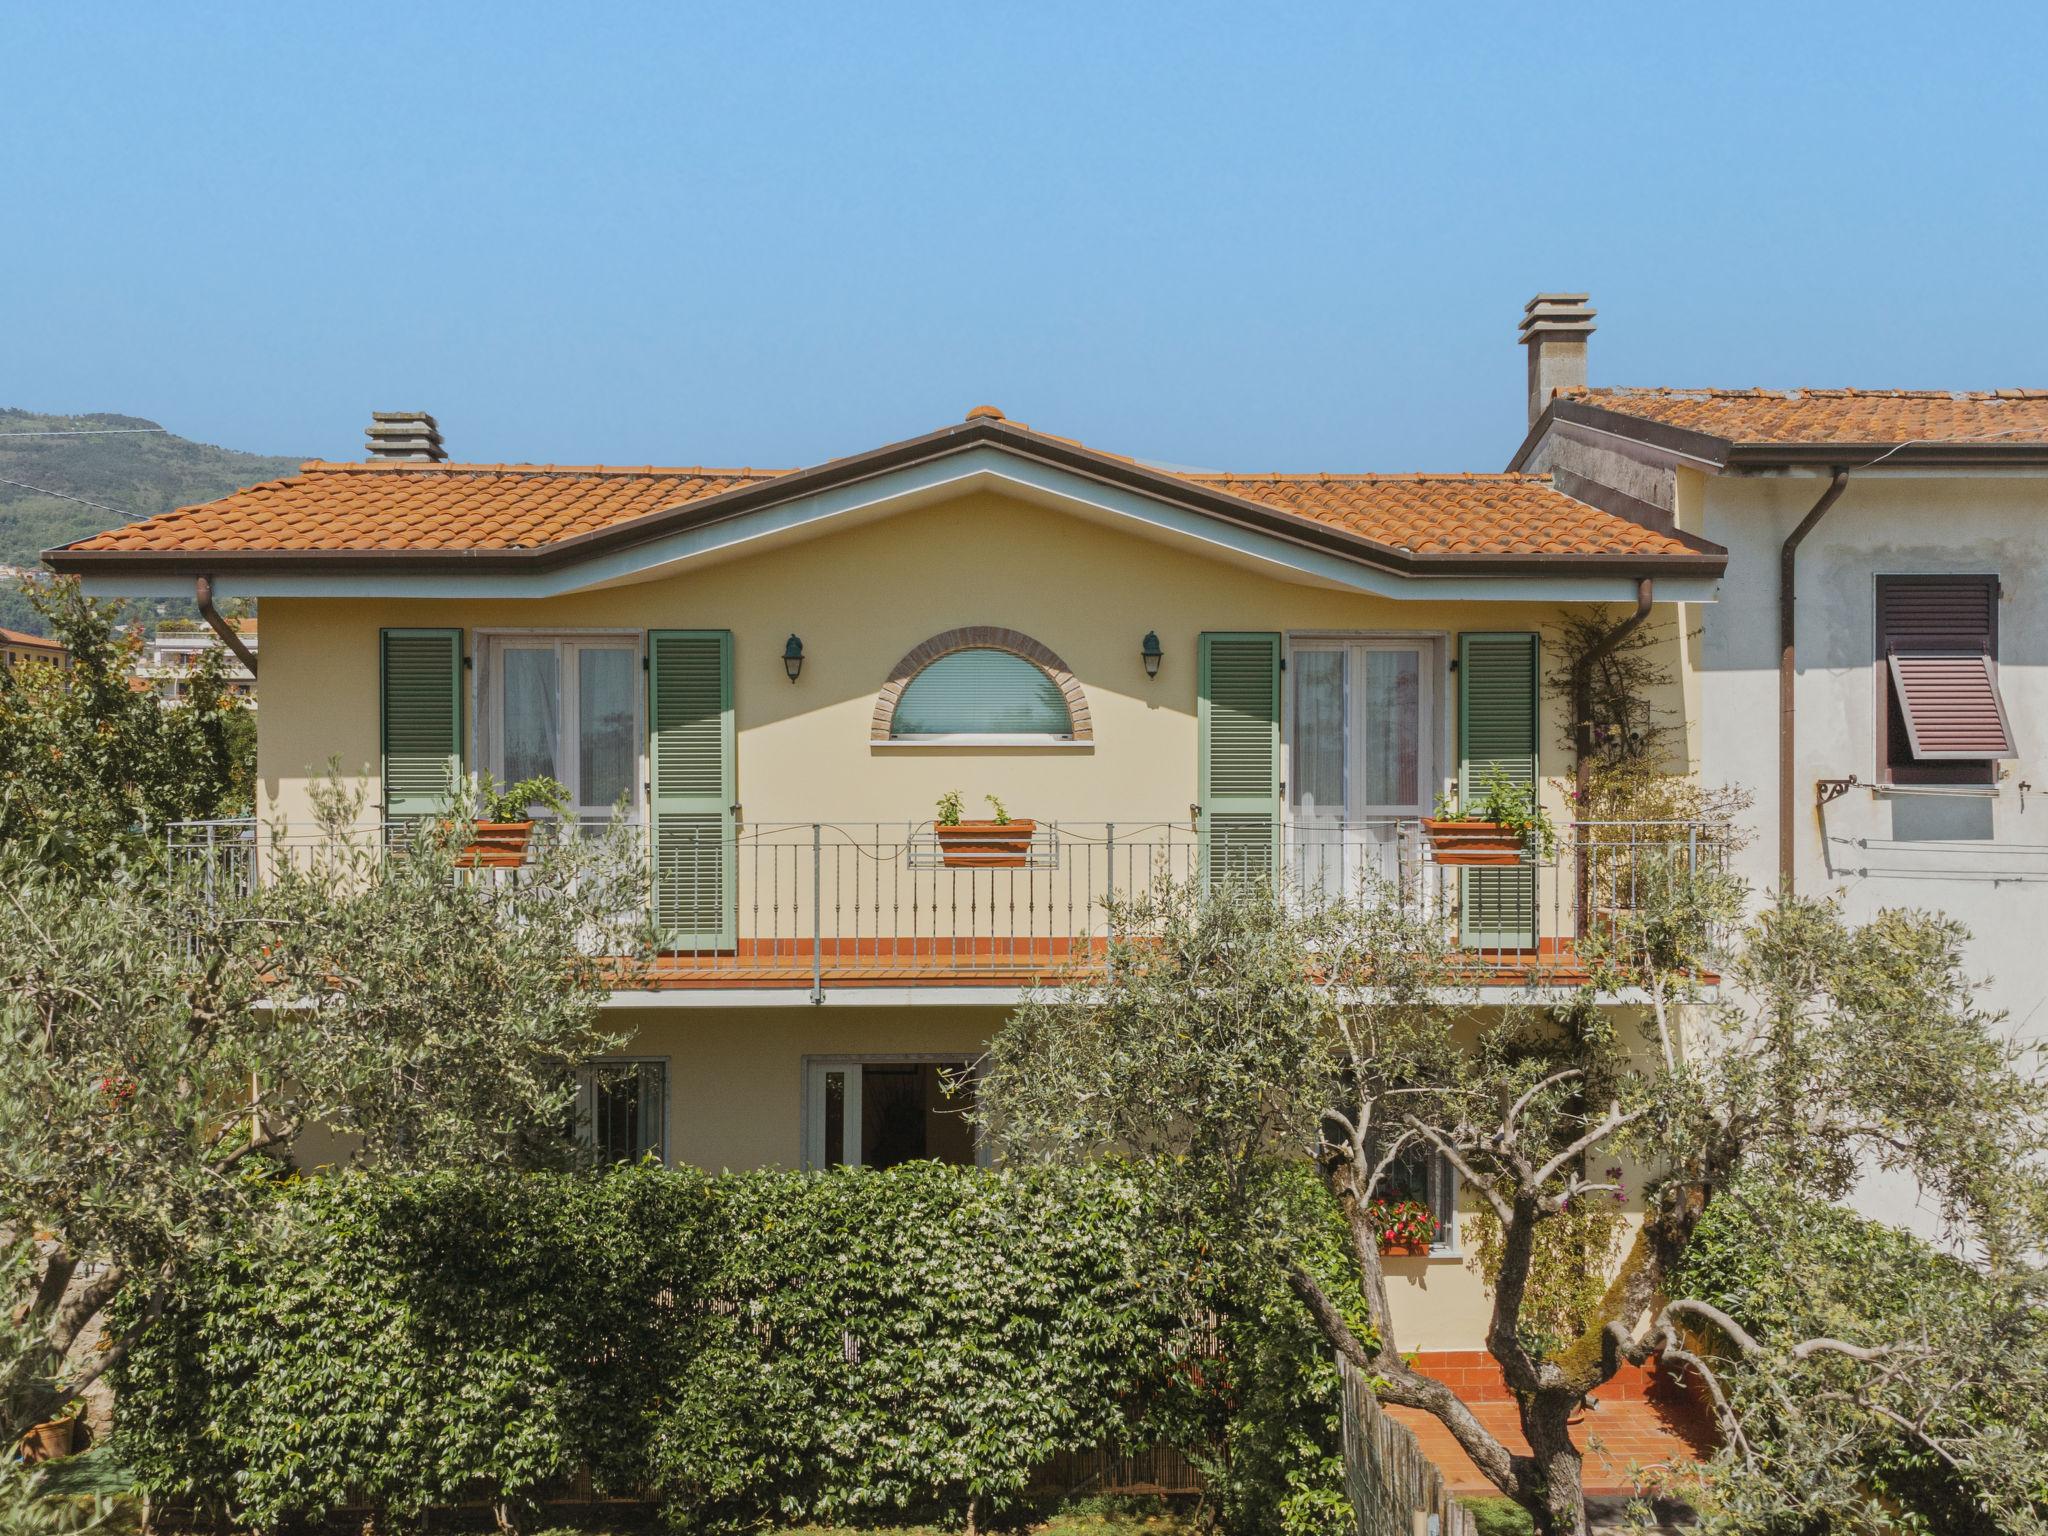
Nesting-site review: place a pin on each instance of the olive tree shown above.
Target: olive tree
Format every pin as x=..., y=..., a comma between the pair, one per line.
x=1926, y=1410
x=161, y=1055
x=1235, y=1025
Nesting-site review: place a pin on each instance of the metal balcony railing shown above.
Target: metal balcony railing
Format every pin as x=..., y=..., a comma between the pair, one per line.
x=832, y=903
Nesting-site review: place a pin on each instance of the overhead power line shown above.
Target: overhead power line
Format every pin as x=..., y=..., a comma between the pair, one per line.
x=44, y=490
x=89, y=432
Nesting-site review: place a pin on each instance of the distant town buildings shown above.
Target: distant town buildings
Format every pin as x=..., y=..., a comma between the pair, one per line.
x=169, y=656
x=18, y=649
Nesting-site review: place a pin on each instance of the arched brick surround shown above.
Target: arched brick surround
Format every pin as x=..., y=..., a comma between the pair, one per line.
x=977, y=637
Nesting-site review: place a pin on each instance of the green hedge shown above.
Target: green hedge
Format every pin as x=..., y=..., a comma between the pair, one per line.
x=845, y=1346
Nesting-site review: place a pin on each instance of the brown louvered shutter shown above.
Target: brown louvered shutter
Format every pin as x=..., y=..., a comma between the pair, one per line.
x=1937, y=651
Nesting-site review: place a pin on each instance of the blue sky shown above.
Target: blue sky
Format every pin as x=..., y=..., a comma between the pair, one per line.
x=1240, y=236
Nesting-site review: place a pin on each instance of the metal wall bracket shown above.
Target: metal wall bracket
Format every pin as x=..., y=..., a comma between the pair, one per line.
x=1825, y=790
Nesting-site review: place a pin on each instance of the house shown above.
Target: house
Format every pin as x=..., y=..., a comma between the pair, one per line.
x=777, y=674
x=18, y=649
x=168, y=657
x=1882, y=611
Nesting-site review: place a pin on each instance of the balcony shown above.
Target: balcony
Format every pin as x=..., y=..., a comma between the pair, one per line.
x=816, y=906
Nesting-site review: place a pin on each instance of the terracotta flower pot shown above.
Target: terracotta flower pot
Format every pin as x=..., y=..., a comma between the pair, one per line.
x=1473, y=842
x=1404, y=1250
x=497, y=845
x=986, y=844
x=48, y=1441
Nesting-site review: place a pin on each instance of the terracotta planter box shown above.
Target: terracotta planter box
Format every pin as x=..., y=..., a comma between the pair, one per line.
x=986, y=844
x=1473, y=842
x=1404, y=1250
x=497, y=845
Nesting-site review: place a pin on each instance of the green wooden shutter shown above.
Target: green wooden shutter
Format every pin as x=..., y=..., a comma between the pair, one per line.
x=690, y=749
x=1239, y=777
x=421, y=704
x=1497, y=727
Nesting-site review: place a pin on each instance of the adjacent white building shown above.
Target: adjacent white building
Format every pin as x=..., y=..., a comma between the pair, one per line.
x=1876, y=669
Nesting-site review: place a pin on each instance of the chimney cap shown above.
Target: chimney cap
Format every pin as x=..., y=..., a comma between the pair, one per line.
x=413, y=435
x=1557, y=314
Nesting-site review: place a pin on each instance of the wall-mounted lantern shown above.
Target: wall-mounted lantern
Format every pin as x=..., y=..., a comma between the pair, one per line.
x=793, y=657
x=1151, y=652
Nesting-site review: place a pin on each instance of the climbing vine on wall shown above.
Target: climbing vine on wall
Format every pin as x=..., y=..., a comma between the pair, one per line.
x=1638, y=774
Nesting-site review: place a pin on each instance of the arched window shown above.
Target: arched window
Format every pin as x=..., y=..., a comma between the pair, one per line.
x=982, y=684
x=981, y=692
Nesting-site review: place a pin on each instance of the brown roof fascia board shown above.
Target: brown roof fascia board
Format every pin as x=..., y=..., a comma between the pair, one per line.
x=1933, y=454
x=710, y=510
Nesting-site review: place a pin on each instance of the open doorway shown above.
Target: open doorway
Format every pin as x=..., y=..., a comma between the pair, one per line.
x=877, y=1112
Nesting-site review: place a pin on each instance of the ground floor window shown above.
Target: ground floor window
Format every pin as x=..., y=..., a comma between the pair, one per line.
x=1427, y=1177
x=876, y=1112
x=622, y=1109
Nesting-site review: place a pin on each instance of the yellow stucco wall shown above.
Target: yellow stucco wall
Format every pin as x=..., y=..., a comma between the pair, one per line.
x=860, y=598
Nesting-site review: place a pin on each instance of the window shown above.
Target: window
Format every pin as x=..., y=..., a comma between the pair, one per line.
x=569, y=709
x=1360, y=719
x=622, y=1109
x=1422, y=1175
x=1937, y=679
x=864, y=1113
x=982, y=691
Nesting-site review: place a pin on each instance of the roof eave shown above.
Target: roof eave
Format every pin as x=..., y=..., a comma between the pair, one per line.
x=492, y=562
x=1937, y=454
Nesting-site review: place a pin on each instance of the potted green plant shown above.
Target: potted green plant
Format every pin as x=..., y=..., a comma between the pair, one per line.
x=1407, y=1228
x=1506, y=823
x=1001, y=842
x=501, y=820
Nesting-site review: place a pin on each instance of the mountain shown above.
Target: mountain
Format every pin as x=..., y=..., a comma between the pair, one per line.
x=126, y=463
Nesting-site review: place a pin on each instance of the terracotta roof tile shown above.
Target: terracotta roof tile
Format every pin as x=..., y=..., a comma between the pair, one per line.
x=1876, y=417
x=1452, y=514
x=398, y=505
x=438, y=506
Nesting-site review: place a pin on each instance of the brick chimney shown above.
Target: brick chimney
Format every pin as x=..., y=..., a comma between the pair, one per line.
x=1554, y=329
x=405, y=435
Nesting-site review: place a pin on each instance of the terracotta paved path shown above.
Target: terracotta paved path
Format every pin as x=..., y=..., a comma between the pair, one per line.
x=1635, y=1428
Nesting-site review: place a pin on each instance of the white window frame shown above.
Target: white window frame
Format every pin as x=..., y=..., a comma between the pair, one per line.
x=586, y=1095
x=1443, y=1181
x=1433, y=727
x=486, y=719
x=811, y=1103
x=1446, y=1244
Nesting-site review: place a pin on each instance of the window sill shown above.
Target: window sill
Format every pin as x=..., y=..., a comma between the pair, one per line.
x=1954, y=791
x=1006, y=743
